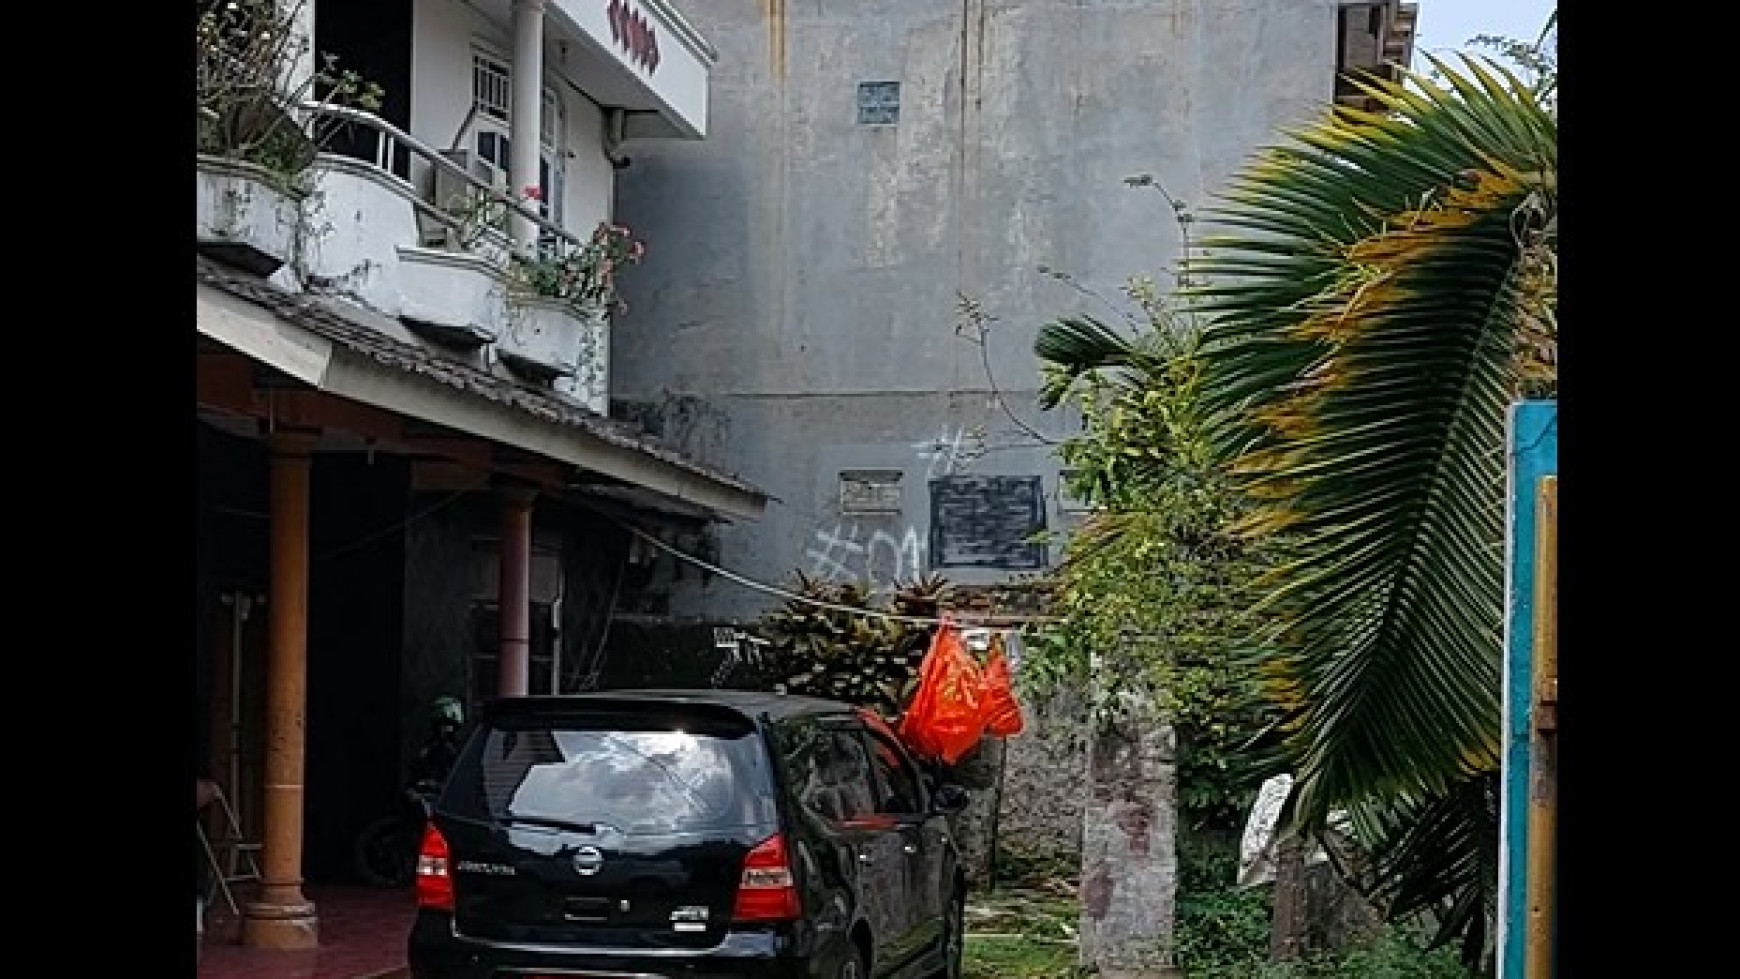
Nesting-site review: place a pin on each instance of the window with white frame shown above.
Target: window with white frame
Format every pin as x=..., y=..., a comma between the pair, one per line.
x=491, y=93
x=491, y=86
x=492, y=99
x=551, y=133
x=550, y=121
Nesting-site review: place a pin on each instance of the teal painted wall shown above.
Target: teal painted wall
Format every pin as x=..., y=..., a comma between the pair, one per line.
x=1533, y=440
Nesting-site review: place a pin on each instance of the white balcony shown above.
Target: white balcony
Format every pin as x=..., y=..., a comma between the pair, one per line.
x=413, y=219
x=357, y=231
x=549, y=338
x=245, y=217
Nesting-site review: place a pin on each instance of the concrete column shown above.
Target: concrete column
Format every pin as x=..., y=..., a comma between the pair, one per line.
x=513, y=598
x=281, y=917
x=1129, y=885
x=526, y=108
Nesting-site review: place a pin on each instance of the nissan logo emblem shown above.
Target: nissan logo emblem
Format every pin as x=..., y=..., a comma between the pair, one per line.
x=588, y=861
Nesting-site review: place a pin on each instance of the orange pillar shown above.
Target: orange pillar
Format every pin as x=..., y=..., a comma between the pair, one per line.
x=514, y=596
x=281, y=917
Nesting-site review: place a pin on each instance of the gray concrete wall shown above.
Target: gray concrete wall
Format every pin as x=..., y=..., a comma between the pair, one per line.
x=1045, y=774
x=797, y=309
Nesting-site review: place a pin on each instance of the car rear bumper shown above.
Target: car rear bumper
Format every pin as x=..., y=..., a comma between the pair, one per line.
x=435, y=952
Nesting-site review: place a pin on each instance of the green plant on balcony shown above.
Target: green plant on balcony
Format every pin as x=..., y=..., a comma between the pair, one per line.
x=478, y=212
x=584, y=275
x=250, y=79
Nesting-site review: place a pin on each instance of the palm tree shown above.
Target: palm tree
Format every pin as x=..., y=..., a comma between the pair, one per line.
x=1379, y=289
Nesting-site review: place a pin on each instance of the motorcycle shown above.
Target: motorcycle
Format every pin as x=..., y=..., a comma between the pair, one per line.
x=386, y=849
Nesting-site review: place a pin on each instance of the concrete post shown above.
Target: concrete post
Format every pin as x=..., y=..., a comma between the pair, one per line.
x=1288, y=921
x=281, y=917
x=514, y=596
x=1129, y=856
x=524, y=122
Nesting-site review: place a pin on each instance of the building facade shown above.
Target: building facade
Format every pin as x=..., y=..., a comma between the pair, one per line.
x=872, y=164
x=408, y=483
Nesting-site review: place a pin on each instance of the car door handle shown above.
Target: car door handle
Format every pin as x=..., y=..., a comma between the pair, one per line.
x=864, y=858
x=909, y=848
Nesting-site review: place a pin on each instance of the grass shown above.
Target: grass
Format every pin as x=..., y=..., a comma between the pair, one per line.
x=1017, y=959
x=1025, y=929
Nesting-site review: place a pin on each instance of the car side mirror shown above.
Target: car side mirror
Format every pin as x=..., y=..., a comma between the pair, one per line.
x=950, y=798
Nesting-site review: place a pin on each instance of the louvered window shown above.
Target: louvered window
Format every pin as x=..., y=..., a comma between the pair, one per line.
x=490, y=86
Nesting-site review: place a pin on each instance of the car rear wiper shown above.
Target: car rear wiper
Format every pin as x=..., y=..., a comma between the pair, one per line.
x=590, y=829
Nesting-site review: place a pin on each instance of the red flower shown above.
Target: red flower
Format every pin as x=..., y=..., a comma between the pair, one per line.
x=534, y=193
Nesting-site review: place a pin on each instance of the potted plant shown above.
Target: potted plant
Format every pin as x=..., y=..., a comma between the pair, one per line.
x=564, y=296
x=581, y=276
x=254, y=147
x=478, y=222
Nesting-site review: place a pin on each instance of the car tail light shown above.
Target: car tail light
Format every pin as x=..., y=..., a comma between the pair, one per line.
x=434, y=876
x=767, y=891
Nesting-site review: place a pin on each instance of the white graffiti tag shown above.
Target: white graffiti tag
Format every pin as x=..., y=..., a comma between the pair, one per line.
x=951, y=452
x=880, y=560
x=890, y=561
x=837, y=555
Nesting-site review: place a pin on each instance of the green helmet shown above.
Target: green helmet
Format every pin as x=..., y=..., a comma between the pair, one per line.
x=447, y=711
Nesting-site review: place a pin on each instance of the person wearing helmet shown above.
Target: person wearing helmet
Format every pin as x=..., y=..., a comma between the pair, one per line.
x=447, y=713
x=446, y=718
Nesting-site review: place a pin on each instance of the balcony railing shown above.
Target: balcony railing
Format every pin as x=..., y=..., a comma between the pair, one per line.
x=381, y=246
x=388, y=143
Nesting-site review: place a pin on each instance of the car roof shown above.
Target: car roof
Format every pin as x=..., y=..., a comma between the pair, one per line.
x=749, y=703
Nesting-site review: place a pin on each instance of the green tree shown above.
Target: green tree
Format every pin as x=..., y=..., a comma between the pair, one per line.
x=1536, y=62
x=1380, y=289
x=1153, y=585
x=1152, y=589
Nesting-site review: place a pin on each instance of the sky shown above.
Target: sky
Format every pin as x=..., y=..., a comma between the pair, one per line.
x=1448, y=24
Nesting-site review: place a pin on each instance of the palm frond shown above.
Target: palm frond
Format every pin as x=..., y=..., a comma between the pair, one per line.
x=1074, y=346
x=1436, y=858
x=1365, y=288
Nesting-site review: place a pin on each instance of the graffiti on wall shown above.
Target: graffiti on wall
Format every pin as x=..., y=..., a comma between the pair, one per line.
x=953, y=451
x=880, y=559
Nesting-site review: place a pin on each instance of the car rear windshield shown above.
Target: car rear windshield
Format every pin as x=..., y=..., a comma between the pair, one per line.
x=634, y=774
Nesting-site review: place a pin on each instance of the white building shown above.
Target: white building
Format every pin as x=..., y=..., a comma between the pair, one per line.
x=405, y=448
x=565, y=82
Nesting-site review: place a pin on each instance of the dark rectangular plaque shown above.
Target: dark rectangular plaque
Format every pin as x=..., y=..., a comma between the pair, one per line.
x=986, y=522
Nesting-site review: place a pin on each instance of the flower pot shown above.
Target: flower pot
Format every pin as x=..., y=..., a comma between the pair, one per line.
x=245, y=218
x=545, y=339
x=495, y=246
x=451, y=298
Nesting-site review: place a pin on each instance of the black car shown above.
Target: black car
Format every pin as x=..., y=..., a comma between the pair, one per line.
x=663, y=834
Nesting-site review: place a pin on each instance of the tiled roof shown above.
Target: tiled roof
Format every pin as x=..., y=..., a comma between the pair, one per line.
x=333, y=321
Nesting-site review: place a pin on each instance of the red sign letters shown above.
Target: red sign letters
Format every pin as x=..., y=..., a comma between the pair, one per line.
x=631, y=32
